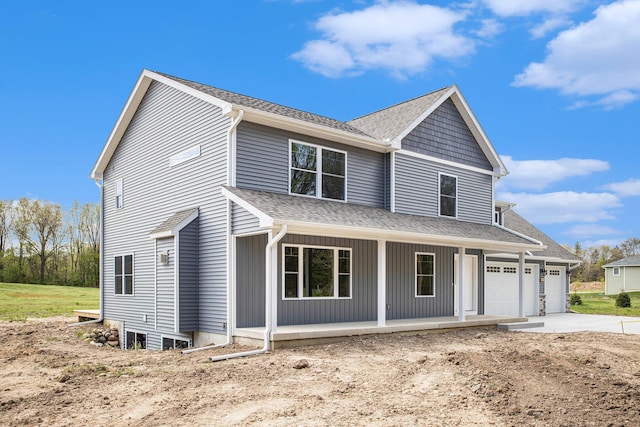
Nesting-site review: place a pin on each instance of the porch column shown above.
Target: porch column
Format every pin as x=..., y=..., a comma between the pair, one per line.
x=274, y=288
x=461, y=305
x=382, y=282
x=521, y=284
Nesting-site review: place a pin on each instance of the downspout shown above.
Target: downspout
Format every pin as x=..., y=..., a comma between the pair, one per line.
x=231, y=181
x=101, y=268
x=268, y=296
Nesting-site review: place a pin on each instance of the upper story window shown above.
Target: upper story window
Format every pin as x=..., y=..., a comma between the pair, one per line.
x=119, y=193
x=316, y=272
x=448, y=195
x=124, y=275
x=498, y=217
x=317, y=171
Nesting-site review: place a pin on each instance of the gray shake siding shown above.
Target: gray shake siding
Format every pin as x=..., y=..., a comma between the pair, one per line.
x=166, y=123
x=445, y=135
x=263, y=164
x=416, y=189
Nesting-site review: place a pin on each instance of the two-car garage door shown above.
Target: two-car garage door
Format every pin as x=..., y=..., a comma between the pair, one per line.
x=502, y=289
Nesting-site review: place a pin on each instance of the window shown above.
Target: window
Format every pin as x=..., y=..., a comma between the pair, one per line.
x=497, y=216
x=317, y=171
x=316, y=272
x=448, y=195
x=119, y=194
x=527, y=271
x=554, y=272
x=616, y=271
x=171, y=343
x=493, y=269
x=510, y=270
x=425, y=275
x=136, y=341
x=124, y=275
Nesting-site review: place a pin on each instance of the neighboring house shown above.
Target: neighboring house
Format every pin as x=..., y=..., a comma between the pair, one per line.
x=622, y=275
x=223, y=214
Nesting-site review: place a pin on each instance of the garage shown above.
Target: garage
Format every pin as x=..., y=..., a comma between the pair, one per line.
x=502, y=289
x=555, y=288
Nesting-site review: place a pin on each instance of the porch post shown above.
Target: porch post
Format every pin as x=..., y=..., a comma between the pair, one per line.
x=274, y=288
x=382, y=282
x=521, y=284
x=461, y=305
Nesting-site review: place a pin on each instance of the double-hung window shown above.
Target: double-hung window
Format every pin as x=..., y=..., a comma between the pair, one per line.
x=316, y=272
x=448, y=195
x=119, y=194
x=124, y=275
x=317, y=171
x=425, y=275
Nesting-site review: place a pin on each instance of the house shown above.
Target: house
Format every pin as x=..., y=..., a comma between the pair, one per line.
x=622, y=275
x=227, y=217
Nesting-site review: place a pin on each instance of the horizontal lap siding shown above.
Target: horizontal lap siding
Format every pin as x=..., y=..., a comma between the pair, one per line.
x=243, y=221
x=263, y=164
x=416, y=189
x=165, y=276
x=362, y=305
x=167, y=122
x=445, y=135
x=188, y=277
x=401, y=282
x=250, y=276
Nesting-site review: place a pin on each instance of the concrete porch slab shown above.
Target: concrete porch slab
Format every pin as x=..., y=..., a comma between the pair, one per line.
x=519, y=325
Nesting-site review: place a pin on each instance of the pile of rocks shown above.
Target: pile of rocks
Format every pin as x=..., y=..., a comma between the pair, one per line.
x=103, y=337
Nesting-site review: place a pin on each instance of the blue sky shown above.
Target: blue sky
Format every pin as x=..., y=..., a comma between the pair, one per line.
x=554, y=83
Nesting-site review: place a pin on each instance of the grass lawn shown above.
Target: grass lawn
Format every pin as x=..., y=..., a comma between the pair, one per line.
x=19, y=301
x=599, y=303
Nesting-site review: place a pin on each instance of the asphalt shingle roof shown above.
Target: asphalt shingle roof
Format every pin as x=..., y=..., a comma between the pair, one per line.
x=173, y=221
x=285, y=208
x=625, y=262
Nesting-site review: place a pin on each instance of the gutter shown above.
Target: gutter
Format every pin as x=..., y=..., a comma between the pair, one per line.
x=268, y=307
x=101, y=271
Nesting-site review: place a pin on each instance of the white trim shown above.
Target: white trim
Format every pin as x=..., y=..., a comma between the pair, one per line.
x=146, y=338
x=445, y=162
x=415, y=274
x=614, y=271
x=232, y=148
x=474, y=296
x=119, y=193
x=176, y=283
x=184, y=156
x=318, y=172
x=382, y=283
x=336, y=273
x=392, y=193
x=133, y=274
x=440, y=175
x=155, y=287
x=175, y=338
x=176, y=229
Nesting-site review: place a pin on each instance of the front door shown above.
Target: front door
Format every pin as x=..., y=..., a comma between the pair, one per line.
x=470, y=284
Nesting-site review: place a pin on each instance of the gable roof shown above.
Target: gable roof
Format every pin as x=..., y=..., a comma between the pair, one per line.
x=176, y=222
x=308, y=215
x=552, y=250
x=632, y=261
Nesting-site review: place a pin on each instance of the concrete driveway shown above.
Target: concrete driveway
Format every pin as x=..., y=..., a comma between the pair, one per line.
x=574, y=322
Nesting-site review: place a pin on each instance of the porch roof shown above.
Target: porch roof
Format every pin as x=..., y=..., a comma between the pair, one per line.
x=306, y=215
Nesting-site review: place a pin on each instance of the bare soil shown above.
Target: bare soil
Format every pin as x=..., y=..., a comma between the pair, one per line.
x=587, y=286
x=49, y=376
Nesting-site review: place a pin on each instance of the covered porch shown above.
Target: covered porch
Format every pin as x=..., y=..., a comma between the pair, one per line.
x=291, y=336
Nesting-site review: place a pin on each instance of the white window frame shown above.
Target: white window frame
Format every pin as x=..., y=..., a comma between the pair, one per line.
x=497, y=216
x=415, y=274
x=133, y=275
x=119, y=199
x=169, y=337
x=616, y=271
x=318, y=172
x=336, y=272
x=440, y=175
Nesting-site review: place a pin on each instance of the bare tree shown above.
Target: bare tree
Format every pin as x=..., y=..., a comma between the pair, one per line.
x=5, y=219
x=630, y=247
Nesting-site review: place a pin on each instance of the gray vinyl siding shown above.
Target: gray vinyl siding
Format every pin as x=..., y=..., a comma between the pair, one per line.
x=188, y=277
x=250, y=276
x=262, y=163
x=243, y=221
x=402, y=302
x=387, y=181
x=445, y=135
x=165, y=277
x=362, y=306
x=167, y=122
x=417, y=186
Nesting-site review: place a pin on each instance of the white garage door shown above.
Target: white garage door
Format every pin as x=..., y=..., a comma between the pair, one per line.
x=501, y=290
x=555, y=288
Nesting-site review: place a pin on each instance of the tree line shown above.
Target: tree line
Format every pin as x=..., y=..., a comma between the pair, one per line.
x=593, y=258
x=41, y=243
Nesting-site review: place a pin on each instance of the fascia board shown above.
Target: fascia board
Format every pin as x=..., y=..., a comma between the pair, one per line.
x=225, y=106
x=264, y=219
x=400, y=236
x=282, y=122
x=534, y=258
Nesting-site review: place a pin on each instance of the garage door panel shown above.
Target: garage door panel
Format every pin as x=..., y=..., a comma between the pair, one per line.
x=502, y=289
x=554, y=286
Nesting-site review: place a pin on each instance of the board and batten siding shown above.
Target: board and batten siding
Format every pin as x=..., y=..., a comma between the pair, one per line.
x=445, y=135
x=188, y=277
x=417, y=186
x=166, y=123
x=262, y=163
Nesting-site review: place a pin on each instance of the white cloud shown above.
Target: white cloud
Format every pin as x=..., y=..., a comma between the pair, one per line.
x=589, y=230
x=549, y=25
x=527, y=7
x=538, y=174
x=402, y=37
x=489, y=28
x=597, y=58
x=602, y=242
x=563, y=206
x=631, y=187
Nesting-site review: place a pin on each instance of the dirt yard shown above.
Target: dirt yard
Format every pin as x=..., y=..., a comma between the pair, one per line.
x=49, y=376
